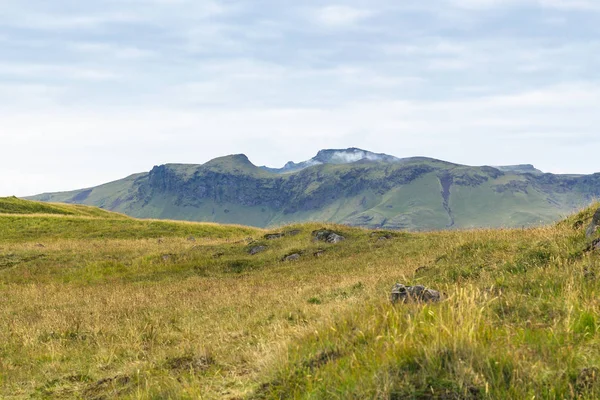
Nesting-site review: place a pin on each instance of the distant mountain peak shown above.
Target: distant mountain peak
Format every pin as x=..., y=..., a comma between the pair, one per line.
x=335, y=156
x=351, y=155
x=233, y=159
x=520, y=168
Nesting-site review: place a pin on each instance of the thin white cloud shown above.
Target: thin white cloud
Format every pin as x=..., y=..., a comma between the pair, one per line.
x=112, y=50
x=337, y=16
x=41, y=15
x=557, y=4
x=72, y=22
x=29, y=96
x=46, y=71
x=589, y=5
x=481, y=4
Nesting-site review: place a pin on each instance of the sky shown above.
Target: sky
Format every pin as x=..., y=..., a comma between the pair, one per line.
x=92, y=92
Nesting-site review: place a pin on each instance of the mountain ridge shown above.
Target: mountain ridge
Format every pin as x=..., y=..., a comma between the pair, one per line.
x=342, y=156
x=351, y=186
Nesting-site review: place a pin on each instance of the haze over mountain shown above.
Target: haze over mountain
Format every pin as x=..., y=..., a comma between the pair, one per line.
x=349, y=186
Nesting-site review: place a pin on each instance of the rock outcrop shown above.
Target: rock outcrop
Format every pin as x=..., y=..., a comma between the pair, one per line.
x=414, y=294
x=292, y=257
x=594, y=225
x=328, y=236
x=273, y=236
x=257, y=249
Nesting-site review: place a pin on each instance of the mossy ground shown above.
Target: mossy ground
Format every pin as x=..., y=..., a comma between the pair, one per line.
x=95, y=307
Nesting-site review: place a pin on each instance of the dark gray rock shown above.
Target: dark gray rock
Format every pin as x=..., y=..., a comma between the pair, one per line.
x=257, y=249
x=273, y=236
x=414, y=294
x=293, y=232
x=191, y=239
x=319, y=253
x=594, y=225
x=594, y=246
x=292, y=257
x=321, y=235
x=328, y=236
x=335, y=238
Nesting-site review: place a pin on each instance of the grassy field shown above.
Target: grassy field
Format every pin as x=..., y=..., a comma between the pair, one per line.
x=13, y=205
x=104, y=306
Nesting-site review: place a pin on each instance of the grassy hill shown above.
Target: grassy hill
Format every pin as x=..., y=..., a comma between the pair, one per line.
x=416, y=194
x=112, y=307
x=13, y=205
x=23, y=220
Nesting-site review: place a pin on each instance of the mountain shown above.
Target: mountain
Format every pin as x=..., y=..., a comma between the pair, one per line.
x=351, y=186
x=522, y=168
x=335, y=156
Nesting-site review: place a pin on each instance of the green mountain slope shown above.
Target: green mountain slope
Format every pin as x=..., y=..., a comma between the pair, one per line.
x=377, y=191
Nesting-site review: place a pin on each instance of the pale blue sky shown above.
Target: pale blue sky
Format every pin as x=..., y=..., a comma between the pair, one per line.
x=94, y=91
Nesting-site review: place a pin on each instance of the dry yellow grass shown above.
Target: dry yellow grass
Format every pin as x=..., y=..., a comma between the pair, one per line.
x=143, y=318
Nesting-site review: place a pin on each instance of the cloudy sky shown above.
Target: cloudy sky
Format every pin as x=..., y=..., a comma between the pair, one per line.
x=94, y=91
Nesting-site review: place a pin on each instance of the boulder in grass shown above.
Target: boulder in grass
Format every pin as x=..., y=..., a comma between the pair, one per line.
x=292, y=257
x=594, y=246
x=594, y=225
x=328, y=236
x=319, y=253
x=414, y=294
x=335, y=238
x=257, y=249
x=273, y=236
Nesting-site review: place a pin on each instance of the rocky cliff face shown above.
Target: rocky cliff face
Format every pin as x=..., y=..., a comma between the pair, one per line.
x=218, y=186
x=304, y=191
